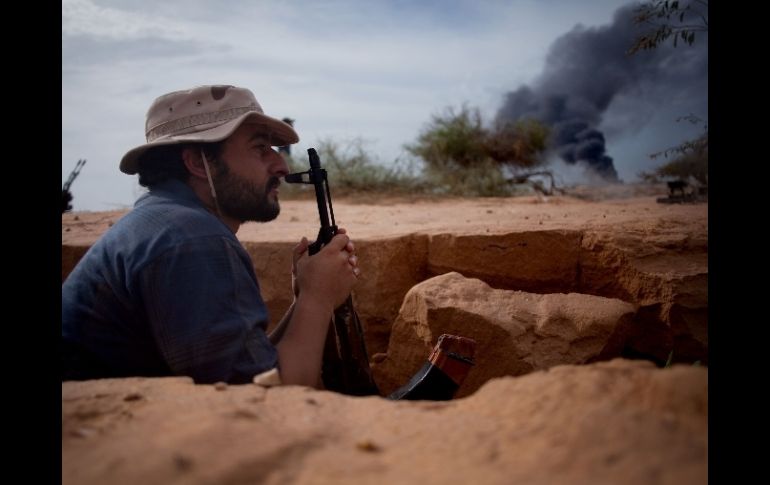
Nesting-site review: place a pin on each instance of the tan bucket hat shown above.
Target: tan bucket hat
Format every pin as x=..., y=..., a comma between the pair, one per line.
x=204, y=114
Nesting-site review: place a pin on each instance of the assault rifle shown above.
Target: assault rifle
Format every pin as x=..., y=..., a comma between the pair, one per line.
x=345, y=367
x=66, y=195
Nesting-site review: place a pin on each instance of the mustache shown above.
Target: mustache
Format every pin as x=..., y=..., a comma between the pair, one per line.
x=273, y=183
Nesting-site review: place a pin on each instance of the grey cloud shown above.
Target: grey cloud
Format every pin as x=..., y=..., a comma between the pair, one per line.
x=81, y=50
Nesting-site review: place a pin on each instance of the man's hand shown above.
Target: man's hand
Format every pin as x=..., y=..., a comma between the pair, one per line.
x=299, y=250
x=351, y=249
x=321, y=283
x=328, y=276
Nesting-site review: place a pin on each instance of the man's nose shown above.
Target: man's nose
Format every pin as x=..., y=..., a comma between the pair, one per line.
x=278, y=164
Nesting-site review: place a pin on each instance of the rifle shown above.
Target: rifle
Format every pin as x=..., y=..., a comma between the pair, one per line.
x=345, y=367
x=66, y=196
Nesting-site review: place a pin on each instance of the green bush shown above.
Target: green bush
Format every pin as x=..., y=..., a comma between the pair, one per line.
x=691, y=164
x=692, y=161
x=519, y=144
x=464, y=158
x=484, y=179
x=352, y=170
x=458, y=157
x=451, y=140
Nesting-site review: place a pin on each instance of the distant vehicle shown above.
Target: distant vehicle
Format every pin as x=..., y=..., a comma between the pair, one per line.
x=681, y=191
x=676, y=185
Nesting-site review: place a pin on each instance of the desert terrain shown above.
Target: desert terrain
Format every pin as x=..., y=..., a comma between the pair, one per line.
x=577, y=302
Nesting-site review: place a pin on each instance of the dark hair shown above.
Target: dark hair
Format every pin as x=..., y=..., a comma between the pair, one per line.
x=165, y=162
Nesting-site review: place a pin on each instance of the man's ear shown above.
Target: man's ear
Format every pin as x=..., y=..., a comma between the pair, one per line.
x=193, y=161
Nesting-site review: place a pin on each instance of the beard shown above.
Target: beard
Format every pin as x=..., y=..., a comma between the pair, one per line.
x=245, y=200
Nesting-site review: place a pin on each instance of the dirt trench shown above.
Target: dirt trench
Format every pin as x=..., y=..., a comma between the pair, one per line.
x=667, y=280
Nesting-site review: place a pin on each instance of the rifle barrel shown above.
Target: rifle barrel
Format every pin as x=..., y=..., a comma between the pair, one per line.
x=74, y=174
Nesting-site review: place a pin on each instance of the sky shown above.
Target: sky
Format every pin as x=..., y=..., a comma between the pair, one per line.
x=344, y=70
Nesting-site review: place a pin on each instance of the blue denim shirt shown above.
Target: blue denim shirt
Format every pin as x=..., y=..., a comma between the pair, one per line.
x=168, y=290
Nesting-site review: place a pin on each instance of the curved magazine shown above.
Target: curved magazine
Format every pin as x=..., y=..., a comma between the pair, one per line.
x=444, y=372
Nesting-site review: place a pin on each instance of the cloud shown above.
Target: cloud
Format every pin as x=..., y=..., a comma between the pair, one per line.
x=341, y=68
x=85, y=18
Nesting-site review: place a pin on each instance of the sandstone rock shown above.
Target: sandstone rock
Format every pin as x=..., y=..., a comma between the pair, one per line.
x=390, y=268
x=535, y=261
x=516, y=332
x=666, y=276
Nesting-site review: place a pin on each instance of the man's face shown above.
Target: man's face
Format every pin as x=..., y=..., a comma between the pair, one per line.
x=248, y=175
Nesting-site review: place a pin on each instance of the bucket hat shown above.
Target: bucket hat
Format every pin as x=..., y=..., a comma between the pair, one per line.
x=204, y=114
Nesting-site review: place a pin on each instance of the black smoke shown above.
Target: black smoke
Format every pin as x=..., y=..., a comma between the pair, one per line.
x=588, y=68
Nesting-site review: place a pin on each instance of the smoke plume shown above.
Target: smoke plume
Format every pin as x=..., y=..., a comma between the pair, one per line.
x=588, y=68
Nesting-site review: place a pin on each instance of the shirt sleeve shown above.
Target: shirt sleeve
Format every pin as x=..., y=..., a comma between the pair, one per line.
x=207, y=316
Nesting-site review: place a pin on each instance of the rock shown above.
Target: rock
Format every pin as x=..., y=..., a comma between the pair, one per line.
x=535, y=261
x=270, y=378
x=390, y=268
x=666, y=275
x=516, y=332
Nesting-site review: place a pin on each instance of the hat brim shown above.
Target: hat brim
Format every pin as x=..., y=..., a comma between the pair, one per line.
x=281, y=134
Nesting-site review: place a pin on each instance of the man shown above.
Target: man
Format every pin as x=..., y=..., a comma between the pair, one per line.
x=169, y=289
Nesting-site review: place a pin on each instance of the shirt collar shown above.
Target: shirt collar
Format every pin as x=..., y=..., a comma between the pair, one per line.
x=170, y=189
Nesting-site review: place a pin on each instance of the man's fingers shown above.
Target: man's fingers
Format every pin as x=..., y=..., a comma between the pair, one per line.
x=298, y=251
x=301, y=247
x=302, y=244
x=338, y=242
x=350, y=247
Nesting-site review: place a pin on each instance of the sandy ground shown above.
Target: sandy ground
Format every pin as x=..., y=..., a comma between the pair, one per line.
x=620, y=422
x=632, y=207
x=648, y=425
